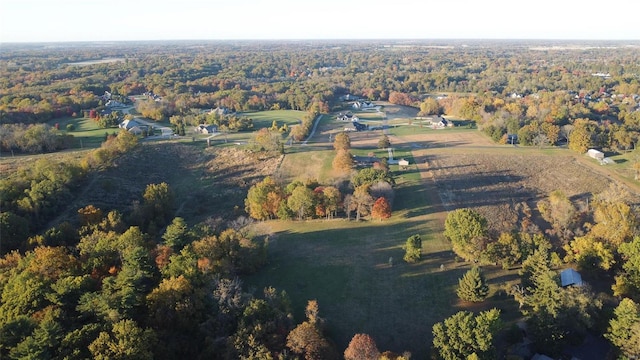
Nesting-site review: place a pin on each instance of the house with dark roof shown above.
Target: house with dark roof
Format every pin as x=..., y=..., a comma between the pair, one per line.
x=347, y=117
x=206, y=129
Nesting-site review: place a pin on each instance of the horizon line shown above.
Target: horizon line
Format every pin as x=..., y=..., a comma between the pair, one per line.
x=312, y=39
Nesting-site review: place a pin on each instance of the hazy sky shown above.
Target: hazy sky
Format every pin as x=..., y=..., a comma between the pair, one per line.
x=107, y=20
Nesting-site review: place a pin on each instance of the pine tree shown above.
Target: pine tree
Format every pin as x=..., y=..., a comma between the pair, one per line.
x=413, y=249
x=624, y=329
x=473, y=286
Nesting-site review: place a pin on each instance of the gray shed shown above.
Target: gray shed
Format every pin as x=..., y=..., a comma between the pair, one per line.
x=569, y=277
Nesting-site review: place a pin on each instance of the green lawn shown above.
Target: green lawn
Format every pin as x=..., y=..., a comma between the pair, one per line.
x=345, y=265
x=87, y=133
x=263, y=119
x=624, y=165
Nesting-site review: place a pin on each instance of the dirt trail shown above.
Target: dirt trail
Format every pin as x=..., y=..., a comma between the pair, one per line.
x=439, y=214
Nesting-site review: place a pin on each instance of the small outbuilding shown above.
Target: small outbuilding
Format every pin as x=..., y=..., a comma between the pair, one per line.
x=570, y=277
x=599, y=155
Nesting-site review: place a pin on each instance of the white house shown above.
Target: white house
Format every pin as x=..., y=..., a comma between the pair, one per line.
x=128, y=124
x=363, y=105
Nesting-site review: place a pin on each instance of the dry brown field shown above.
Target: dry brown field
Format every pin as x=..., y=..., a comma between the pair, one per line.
x=502, y=182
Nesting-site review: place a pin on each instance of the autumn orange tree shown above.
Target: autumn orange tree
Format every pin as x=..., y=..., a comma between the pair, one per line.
x=343, y=162
x=362, y=347
x=381, y=209
x=307, y=339
x=342, y=142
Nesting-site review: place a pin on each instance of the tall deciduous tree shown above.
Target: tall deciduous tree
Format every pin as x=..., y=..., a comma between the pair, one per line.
x=580, y=136
x=464, y=227
x=381, y=209
x=333, y=200
x=263, y=199
x=473, y=286
x=301, y=201
x=361, y=347
x=342, y=142
x=307, y=338
x=361, y=201
x=343, y=162
x=558, y=210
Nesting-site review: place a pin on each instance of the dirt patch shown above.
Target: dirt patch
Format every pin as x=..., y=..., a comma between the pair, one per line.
x=240, y=167
x=394, y=111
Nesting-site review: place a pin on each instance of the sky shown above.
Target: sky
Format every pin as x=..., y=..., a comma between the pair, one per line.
x=118, y=20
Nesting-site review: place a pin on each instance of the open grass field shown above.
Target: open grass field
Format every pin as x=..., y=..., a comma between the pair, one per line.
x=262, y=119
x=87, y=133
x=345, y=265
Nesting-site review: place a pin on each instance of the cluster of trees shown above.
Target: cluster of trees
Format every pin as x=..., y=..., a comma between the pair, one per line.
x=34, y=194
x=32, y=139
x=108, y=120
x=370, y=192
x=302, y=130
x=602, y=241
x=118, y=292
x=268, y=200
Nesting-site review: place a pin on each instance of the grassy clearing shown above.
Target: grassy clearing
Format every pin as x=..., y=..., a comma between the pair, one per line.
x=87, y=133
x=311, y=164
x=262, y=119
x=624, y=166
x=345, y=266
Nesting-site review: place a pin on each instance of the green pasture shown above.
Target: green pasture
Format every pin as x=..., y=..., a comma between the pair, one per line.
x=622, y=166
x=262, y=119
x=87, y=133
x=355, y=271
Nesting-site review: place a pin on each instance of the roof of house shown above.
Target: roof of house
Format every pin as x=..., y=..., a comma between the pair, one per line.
x=570, y=277
x=128, y=124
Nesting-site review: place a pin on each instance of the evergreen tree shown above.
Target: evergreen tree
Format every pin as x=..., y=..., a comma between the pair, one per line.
x=413, y=249
x=624, y=329
x=473, y=286
x=462, y=335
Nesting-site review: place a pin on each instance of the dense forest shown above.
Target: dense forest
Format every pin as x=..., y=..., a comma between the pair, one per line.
x=136, y=281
